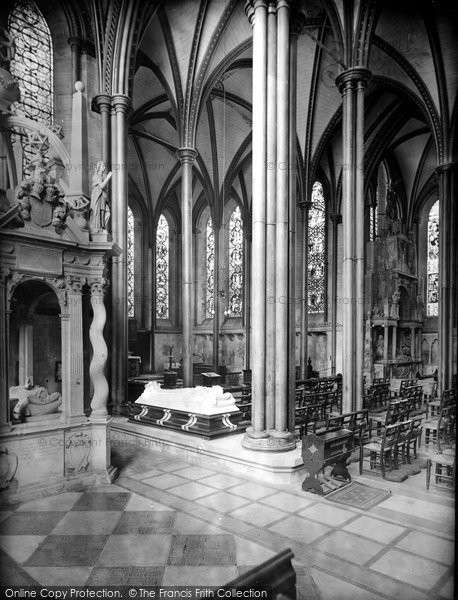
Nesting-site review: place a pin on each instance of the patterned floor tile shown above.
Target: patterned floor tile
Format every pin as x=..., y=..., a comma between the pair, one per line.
x=138, y=502
x=60, y=502
x=374, y=529
x=300, y=529
x=135, y=576
x=68, y=551
x=96, y=522
x=135, y=551
x=194, y=472
x=20, y=548
x=31, y=523
x=329, y=515
x=60, y=575
x=412, y=569
x=349, y=547
x=198, y=576
x=141, y=522
x=102, y=501
x=168, y=464
x=192, y=490
x=143, y=474
x=186, y=524
x=288, y=502
x=223, y=502
x=331, y=588
x=258, y=515
x=252, y=491
x=165, y=481
x=429, y=546
x=221, y=481
x=201, y=550
x=249, y=553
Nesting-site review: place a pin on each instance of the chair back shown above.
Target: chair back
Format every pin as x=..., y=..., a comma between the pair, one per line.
x=390, y=438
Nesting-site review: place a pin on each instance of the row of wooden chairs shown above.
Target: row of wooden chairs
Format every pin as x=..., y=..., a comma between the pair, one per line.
x=397, y=443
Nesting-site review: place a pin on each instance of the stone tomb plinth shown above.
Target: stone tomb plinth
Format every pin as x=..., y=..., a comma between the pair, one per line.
x=40, y=461
x=208, y=412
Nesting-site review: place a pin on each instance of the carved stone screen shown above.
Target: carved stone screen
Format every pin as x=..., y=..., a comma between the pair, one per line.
x=162, y=268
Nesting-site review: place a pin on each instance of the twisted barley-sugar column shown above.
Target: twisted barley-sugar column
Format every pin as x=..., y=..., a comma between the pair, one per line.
x=447, y=274
x=99, y=353
x=187, y=157
x=256, y=434
x=120, y=105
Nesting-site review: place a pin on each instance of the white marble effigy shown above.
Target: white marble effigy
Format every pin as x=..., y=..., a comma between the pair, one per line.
x=204, y=411
x=202, y=400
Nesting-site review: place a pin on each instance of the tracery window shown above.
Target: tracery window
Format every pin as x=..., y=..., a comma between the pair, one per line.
x=162, y=268
x=32, y=65
x=316, y=250
x=210, y=270
x=432, y=299
x=236, y=263
x=130, y=263
x=373, y=225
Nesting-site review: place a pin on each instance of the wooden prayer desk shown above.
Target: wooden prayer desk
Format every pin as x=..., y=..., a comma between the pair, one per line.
x=329, y=448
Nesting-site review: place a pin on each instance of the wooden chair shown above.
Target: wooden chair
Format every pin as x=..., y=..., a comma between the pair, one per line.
x=414, y=440
x=442, y=466
x=382, y=452
x=441, y=430
x=401, y=454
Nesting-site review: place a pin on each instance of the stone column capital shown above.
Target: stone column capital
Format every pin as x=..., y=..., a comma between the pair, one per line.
x=335, y=218
x=251, y=6
x=283, y=4
x=186, y=155
x=121, y=103
x=75, y=43
x=353, y=76
x=74, y=284
x=305, y=205
x=451, y=166
x=98, y=286
x=101, y=103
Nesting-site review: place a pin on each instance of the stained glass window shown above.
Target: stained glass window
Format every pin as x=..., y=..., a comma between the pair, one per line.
x=373, y=228
x=162, y=268
x=432, y=291
x=316, y=250
x=32, y=66
x=236, y=263
x=210, y=266
x=130, y=263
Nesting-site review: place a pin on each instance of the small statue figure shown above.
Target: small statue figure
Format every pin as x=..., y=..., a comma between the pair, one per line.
x=379, y=346
x=99, y=210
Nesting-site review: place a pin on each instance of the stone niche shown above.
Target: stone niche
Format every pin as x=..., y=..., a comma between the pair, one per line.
x=54, y=432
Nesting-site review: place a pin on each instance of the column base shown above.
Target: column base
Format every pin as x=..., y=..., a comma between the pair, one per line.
x=269, y=441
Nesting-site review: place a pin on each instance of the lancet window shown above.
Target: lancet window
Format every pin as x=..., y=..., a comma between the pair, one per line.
x=162, y=268
x=130, y=263
x=236, y=255
x=210, y=270
x=433, y=262
x=316, y=250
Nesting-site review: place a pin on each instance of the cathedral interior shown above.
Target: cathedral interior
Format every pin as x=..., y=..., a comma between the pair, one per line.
x=228, y=304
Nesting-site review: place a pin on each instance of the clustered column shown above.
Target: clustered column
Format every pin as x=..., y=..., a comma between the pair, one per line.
x=187, y=157
x=5, y=424
x=352, y=84
x=271, y=228
x=447, y=274
x=119, y=202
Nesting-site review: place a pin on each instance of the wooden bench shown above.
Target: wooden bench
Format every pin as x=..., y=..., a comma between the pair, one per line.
x=328, y=448
x=276, y=575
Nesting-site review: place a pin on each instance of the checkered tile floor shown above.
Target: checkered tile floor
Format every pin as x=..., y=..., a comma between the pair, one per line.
x=167, y=522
